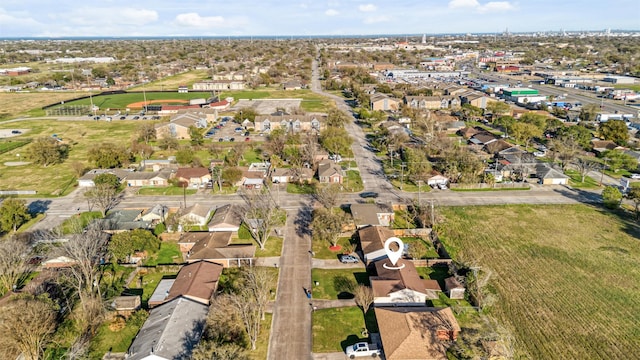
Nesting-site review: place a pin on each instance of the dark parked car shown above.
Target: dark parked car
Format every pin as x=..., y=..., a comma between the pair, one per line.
x=348, y=259
x=369, y=194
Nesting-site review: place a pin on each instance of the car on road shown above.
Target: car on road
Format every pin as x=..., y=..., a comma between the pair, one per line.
x=16, y=132
x=247, y=139
x=442, y=186
x=369, y=194
x=635, y=176
x=123, y=117
x=136, y=117
x=349, y=259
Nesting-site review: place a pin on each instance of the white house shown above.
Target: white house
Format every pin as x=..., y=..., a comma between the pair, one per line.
x=437, y=180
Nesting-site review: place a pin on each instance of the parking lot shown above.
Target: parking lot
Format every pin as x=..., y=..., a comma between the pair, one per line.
x=229, y=131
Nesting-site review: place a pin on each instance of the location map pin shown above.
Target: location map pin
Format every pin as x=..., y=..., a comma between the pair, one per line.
x=394, y=256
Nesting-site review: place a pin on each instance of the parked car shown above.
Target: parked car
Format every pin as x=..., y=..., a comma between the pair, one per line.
x=349, y=259
x=136, y=117
x=442, y=186
x=362, y=349
x=369, y=194
x=16, y=132
x=123, y=117
x=247, y=139
x=635, y=176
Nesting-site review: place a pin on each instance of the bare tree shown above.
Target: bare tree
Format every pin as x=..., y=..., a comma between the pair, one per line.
x=258, y=282
x=584, y=165
x=87, y=250
x=245, y=305
x=363, y=295
x=26, y=325
x=310, y=148
x=104, y=196
x=13, y=265
x=327, y=194
x=260, y=213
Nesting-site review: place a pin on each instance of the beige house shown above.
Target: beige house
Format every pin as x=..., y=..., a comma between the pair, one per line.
x=216, y=247
x=179, y=125
x=144, y=178
x=372, y=240
x=329, y=172
x=196, y=215
x=383, y=102
x=426, y=102
x=193, y=177
x=372, y=214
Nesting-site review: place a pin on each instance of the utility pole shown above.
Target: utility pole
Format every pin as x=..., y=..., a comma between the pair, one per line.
x=419, y=188
x=391, y=154
x=402, y=175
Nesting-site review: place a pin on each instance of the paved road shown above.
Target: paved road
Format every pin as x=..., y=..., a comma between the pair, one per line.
x=291, y=330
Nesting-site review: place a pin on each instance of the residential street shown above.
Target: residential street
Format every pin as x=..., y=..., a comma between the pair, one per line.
x=291, y=327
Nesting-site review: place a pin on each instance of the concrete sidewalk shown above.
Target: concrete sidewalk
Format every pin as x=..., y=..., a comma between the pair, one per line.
x=334, y=264
x=328, y=304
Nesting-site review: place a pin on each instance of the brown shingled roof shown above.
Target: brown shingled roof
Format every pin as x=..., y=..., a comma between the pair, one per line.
x=414, y=332
x=372, y=238
x=196, y=281
x=405, y=278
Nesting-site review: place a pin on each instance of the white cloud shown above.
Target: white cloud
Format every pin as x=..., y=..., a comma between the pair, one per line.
x=117, y=16
x=195, y=20
x=376, y=19
x=331, y=12
x=496, y=6
x=367, y=8
x=456, y=4
x=491, y=6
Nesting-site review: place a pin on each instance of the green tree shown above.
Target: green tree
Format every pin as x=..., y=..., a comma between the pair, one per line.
x=336, y=118
x=109, y=156
x=335, y=140
x=231, y=175
x=634, y=195
x=47, y=151
x=505, y=122
x=617, y=160
x=577, y=133
x=109, y=179
x=524, y=132
x=498, y=108
x=614, y=130
x=326, y=225
x=13, y=213
x=611, y=197
x=185, y=156
x=245, y=114
x=126, y=243
x=589, y=112
x=197, y=138
x=535, y=119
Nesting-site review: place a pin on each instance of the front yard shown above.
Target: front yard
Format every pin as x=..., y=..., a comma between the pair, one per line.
x=337, y=283
x=335, y=329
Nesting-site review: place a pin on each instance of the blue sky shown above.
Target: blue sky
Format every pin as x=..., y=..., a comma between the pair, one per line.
x=26, y=18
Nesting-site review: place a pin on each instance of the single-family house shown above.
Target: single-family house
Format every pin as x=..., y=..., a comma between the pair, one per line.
x=548, y=175
x=329, y=172
x=383, y=102
x=216, y=247
x=156, y=214
x=399, y=285
x=171, y=331
x=372, y=214
x=226, y=218
x=452, y=127
x=123, y=220
x=454, y=289
x=437, y=179
x=372, y=239
x=600, y=146
x=476, y=99
x=86, y=180
x=146, y=178
x=193, y=177
x=287, y=175
x=197, y=281
x=196, y=215
x=292, y=85
x=482, y=139
x=59, y=262
x=416, y=332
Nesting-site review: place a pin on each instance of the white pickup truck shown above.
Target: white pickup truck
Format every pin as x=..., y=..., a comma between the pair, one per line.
x=362, y=349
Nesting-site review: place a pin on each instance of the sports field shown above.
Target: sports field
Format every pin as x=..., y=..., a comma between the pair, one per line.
x=121, y=101
x=567, y=277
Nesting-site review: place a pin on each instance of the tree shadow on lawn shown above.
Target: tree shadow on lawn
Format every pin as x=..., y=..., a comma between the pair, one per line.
x=350, y=340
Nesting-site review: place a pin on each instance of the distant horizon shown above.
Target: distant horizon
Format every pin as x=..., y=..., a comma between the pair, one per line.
x=331, y=18
x=318, y=36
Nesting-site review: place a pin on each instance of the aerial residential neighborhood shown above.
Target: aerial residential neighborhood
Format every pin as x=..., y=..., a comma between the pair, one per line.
x=438, y=195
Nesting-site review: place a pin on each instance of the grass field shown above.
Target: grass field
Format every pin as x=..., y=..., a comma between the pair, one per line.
x=15, y=104
x=172, y=82
x=59, y=179
x=566, y=276
x=332, y=282
x=120, y=101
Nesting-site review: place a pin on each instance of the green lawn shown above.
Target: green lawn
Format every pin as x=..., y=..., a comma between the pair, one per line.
x=353, y=181
x=76, y=223
x=262, y=345
x=430, y=252
x=169, y=190
x=273, y=247
x=300, y=188
x=402, y=220
x=8, y=145
x=150, y=281
x=30, y=223
x=322, y=251
x=169, y=253
x=575, y=180
x=337, y=283
x=116, y=341
x=335, y=329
